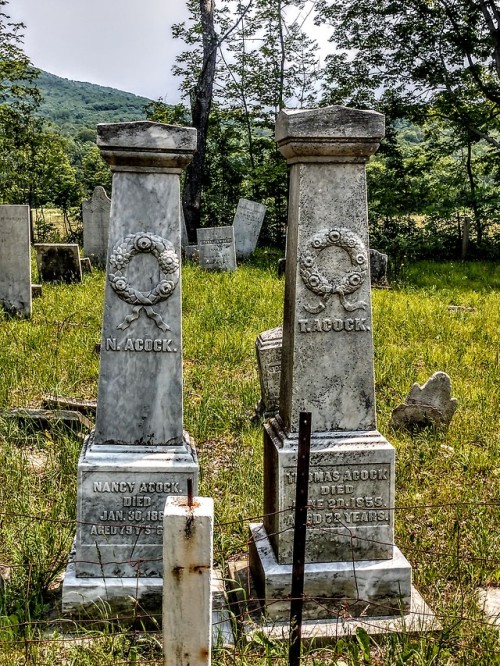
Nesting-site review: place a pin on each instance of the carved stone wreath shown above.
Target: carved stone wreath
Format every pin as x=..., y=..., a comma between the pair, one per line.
x=144, y=242
x=347, y=283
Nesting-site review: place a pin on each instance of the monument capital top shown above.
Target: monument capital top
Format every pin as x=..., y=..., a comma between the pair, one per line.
x=146, y=146
x=329, y=134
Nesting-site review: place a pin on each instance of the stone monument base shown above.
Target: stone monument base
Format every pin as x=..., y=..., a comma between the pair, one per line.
x=331, y=589
x=104, y=598
x=110, y=597
x=254, y=622
x=118, y=551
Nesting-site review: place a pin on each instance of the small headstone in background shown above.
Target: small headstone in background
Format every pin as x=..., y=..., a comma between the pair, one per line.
x=191, y=252
x=36, y=291
x=58, y=262
x=95, y=215
x=378, y=268
x=268, y=350
x=216, y=248
x=247, y=224
x=281, y=267
x=86, y=265
x=15, y=261
x=427, y=406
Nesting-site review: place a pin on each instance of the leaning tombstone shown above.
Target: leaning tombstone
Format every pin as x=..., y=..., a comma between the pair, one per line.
x=58, y=262
x=247, y=224
x=427, y=406
x=15, y=260
x=138, y=454
x=378, y=268
x=352, y=567
x=95, y=216
x=268, y=350
x=216, y=248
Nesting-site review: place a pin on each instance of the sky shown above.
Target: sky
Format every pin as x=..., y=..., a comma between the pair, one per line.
x=125, y=44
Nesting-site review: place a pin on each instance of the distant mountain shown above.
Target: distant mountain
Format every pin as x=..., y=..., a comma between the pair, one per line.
x=76, y=107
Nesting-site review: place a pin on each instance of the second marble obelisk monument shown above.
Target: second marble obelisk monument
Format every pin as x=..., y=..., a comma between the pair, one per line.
x=327, y=369
x=138, y=454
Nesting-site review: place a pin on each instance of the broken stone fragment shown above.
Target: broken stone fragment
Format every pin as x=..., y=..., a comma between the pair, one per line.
x=427, y=406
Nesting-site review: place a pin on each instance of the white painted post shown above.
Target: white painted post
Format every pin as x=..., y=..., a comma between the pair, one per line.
x=187, y=571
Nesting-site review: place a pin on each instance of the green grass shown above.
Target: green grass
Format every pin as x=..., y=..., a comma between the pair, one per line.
x=444, y=481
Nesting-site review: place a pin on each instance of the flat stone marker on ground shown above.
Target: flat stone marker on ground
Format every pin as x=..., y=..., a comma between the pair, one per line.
x=351, y=561
x=268, y=350
x=247, y=224
x=58, y=262
x=95, y=214
x=15, y=260
x=429, y=405
x=139, y=453
x=216, y=248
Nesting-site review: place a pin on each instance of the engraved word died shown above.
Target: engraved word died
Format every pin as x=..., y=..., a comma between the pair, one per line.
x=163, y=250
x=347, y=283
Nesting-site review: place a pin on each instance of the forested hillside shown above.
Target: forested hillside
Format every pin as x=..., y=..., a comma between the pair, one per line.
x=75, y=106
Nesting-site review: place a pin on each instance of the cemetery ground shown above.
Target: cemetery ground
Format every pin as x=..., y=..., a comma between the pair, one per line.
x=447, y=485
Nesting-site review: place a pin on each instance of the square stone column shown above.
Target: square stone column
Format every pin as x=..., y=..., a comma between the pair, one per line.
x=139, y=453
x=327, y=369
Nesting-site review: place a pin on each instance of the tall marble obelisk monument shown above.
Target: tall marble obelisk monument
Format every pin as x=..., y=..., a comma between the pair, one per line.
x=138, y=454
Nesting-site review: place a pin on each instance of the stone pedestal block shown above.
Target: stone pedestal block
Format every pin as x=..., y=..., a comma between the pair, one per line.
x=351, y=495
x=121, y=497
x=188, y=562
x=370, y=587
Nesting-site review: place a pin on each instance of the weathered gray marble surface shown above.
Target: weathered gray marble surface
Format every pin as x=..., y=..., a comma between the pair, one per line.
x=58, y=262
x=15, y=260
x=268, y=351
x=95, y=215
x=327, y=370
x=327, y=364
x=247, y=224
x=216, y=248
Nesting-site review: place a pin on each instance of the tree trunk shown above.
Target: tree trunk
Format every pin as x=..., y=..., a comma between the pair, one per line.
x=201, y=101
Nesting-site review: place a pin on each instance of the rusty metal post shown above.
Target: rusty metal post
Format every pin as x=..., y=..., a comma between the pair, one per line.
x=299, y=538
